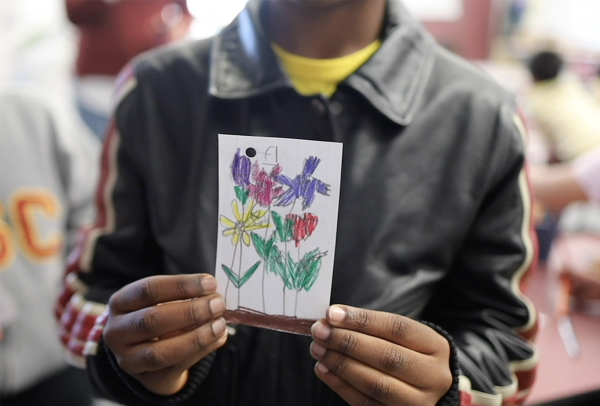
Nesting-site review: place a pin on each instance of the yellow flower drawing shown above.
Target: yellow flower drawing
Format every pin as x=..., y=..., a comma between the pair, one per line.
x=247, y=220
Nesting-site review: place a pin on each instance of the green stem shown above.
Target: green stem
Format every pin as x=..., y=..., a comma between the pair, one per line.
x=285, y=244
x=240, y=269
x=231, y=267
x=297, y=291
x=241, y=242
x=265, y=260
x=296, y=306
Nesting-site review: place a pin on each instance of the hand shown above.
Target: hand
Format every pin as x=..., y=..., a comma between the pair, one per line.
x=160, y=326
x=376, y=358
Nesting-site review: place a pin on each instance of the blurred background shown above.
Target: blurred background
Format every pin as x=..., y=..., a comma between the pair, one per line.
x=545, y=51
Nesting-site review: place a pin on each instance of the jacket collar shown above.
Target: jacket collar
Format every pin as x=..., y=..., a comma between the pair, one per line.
x=393, y=80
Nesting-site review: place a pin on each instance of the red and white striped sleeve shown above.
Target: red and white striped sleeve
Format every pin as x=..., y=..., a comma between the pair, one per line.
x=107, y=255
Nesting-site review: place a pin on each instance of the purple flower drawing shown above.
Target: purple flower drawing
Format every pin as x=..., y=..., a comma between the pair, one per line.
x=303, y=186
x=240, y=169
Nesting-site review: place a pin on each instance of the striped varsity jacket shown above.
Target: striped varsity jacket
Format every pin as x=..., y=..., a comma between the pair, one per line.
x=434, y=221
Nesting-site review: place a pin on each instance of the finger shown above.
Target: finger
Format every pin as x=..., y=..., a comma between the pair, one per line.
x=349, y=393
x=175, y=353
x=368, y=381
x=171, y=380
x=414, y=368
x=160, y=289
x=162, y=320
x=390, y=327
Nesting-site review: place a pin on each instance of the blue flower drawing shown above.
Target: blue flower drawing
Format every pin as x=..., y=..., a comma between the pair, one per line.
x=303, y=186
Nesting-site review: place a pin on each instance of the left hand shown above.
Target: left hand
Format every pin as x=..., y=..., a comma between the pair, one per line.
x=377, y=358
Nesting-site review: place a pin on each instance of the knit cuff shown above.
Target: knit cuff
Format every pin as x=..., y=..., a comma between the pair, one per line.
x=452, y=397
x=197, y=374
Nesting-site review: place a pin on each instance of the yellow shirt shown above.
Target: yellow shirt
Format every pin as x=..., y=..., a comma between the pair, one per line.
x=321, y=76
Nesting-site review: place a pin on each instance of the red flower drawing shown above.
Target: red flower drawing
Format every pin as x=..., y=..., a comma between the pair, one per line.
x=303, y=226
x=265, y=188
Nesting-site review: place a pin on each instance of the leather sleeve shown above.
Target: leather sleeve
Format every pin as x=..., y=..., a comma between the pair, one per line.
x=116, y=251
x=481, y=304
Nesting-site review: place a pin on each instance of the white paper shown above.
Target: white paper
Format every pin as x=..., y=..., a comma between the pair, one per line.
x=293, y=183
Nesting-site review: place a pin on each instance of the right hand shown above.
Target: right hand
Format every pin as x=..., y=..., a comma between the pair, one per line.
x=160, y=326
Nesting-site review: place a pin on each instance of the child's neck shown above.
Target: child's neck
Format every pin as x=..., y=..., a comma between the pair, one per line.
x=324, y=28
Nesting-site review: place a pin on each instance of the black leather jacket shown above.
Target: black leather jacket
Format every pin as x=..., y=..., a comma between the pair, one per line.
x=434, y=218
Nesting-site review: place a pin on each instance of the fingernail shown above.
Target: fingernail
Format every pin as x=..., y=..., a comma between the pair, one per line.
x=336, y=314
x=217, y=305
x=321, y=368
x=318, y=349
x=218, y=327
x=320, y=330
x=209, y=284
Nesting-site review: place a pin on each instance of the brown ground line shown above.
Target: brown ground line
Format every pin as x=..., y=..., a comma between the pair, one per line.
x=255, y=318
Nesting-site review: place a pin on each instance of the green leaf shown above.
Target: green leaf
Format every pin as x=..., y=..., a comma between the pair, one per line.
x=310, y=255
x=289, y=230
x=273, y=255
x=242, y=194
x=249, y=274
x=311, y=276
x=309, y=268
x=282, y=269
x=286, y=277
x=239, y=282
x=270, y=245
x=293, y=270
x=279, y=225
x=274, y=265
x=231, y=275
x=284, y=228
x=259, y=245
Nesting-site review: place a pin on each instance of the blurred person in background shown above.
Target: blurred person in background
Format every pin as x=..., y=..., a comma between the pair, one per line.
x=48, y=175
x=563, y=109
x=112, y=32
x=596, y=85
x=558, y=185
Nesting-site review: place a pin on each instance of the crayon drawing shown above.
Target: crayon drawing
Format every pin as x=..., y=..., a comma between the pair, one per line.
x=277, y=231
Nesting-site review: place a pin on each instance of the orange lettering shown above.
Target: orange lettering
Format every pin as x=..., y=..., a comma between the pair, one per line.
x=7, y=242
x=29, y=208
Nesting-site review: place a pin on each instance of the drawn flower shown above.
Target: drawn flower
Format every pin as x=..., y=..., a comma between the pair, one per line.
x=240, y=169
x=265, y=189
x=246, y=221
x=303, y=186
x=303, y=226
